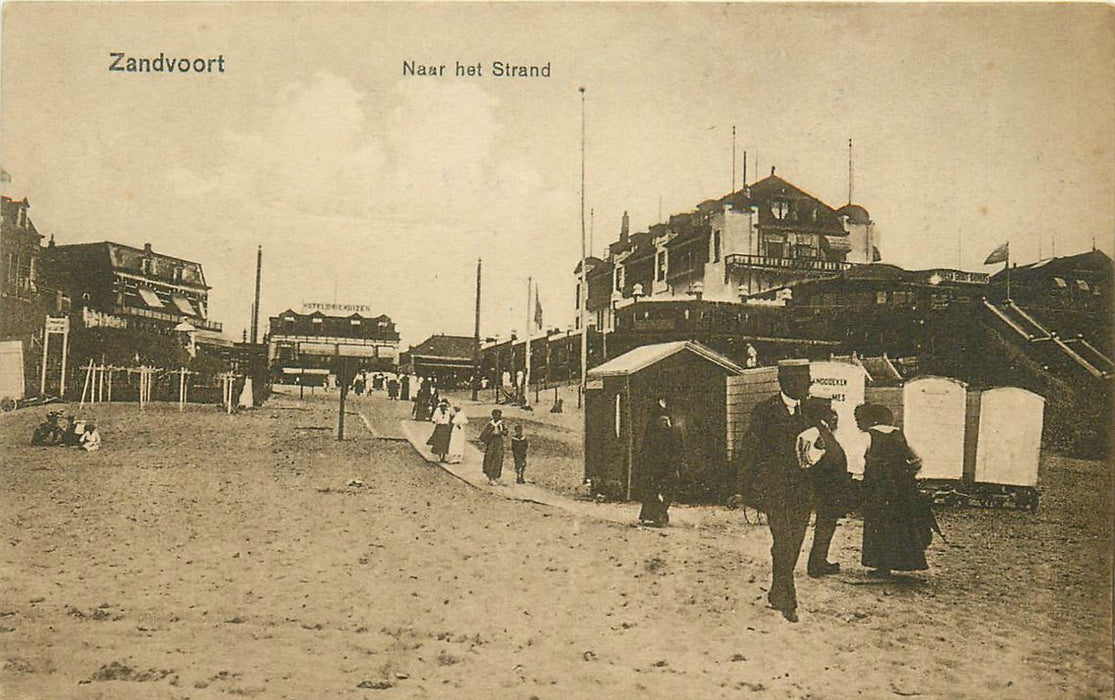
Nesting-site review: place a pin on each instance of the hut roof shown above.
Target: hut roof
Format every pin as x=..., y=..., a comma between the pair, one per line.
x=644, y=356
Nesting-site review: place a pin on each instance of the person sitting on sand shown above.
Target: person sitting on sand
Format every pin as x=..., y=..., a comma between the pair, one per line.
x=91, y=438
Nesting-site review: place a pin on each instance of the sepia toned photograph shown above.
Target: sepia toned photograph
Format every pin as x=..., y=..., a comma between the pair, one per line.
x=556, y=350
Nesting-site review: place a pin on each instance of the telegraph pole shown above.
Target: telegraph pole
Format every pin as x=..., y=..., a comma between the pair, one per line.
x=476, y=337
x=584, y=264
x=255, y=304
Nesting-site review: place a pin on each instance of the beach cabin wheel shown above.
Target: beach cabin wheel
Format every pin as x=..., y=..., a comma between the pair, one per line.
x=7, y=404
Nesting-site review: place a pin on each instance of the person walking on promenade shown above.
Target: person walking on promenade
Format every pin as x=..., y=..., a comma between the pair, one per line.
x=895, y=529
x=771, y=480
x=492, y=437
x=458, y=435
x=660, y=460
x=819, y=452
x=439, y=439
x=404, y=388
x=519, y=446
x=422, y=402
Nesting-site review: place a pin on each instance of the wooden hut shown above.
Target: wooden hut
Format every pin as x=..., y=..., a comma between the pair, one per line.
x=620, y=397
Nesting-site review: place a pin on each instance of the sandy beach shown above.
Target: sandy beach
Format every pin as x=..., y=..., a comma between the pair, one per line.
x=200, y=555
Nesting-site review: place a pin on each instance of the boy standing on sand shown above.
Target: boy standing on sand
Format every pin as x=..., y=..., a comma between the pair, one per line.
x=519, y=445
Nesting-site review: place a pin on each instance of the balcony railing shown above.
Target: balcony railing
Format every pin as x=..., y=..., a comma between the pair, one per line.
x=172, y=318
x=806, y=265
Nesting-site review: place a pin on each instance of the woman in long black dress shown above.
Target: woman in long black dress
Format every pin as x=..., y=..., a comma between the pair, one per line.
x=660, y=460
x=893, y=536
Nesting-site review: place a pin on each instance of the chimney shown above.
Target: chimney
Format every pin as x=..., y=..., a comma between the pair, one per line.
x=624, y=229
x=772, y=171
x=147, y=248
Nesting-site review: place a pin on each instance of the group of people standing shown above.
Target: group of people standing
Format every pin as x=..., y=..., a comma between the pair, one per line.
x=448, y=439
x=492, y=438
x=449, y=436
x=397, y=386
x=791, y=465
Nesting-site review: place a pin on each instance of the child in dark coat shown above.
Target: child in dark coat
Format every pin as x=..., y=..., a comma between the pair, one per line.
x=519, y=445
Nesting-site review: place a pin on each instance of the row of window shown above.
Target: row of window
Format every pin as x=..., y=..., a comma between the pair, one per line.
x=21, y=273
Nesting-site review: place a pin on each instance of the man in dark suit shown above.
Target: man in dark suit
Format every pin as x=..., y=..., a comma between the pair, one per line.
x=771, y=480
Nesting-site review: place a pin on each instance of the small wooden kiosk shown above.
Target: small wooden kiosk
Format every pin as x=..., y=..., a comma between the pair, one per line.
x=620, y=397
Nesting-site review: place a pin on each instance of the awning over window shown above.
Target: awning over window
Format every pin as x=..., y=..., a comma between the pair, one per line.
x=839, y=243
x=150, y=298
x=183, y=304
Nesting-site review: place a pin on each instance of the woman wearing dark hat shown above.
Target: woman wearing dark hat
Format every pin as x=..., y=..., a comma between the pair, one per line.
x=492, y=436
x=893, y=536
x=443, y=430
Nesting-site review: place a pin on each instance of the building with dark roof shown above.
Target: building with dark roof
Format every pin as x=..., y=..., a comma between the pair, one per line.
x=24, y=300
x=298, y=342
x=1071, y=294
x=448, y=358
x=766, y=235
x=22, y=304
x=118, y=286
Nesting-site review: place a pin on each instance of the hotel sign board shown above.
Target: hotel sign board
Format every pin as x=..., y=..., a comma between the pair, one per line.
x=335, y=309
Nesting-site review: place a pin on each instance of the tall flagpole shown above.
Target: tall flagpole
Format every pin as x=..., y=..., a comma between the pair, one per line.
x=733, y=187
x=255, y=304
x=526, y=371
x=584, y=273
x=851, y=173
x=1006, y=266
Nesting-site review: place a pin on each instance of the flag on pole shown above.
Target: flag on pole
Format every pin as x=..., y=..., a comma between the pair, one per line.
x=1000, y=254
x=4, y=176
x=537, y=308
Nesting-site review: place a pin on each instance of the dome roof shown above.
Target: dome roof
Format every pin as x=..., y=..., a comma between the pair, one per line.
x=855, y=213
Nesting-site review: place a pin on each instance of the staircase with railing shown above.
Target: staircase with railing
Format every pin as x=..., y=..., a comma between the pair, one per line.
x=1078, y=351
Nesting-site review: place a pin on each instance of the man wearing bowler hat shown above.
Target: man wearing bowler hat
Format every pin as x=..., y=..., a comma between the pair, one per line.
x=771, y=480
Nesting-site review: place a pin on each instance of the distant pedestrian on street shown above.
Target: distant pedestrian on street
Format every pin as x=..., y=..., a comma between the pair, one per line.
x=404, y=388
x=422, y=402
x=519, y=446
x=392, y=388
x=660, y=462
x=492, y=438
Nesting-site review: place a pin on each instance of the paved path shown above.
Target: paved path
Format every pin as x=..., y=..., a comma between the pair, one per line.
x=469, y=470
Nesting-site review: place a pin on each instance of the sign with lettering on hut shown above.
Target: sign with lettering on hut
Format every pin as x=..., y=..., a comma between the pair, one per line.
x=844, y=383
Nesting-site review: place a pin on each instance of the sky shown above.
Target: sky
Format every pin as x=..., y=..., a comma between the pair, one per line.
x=972, y=125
